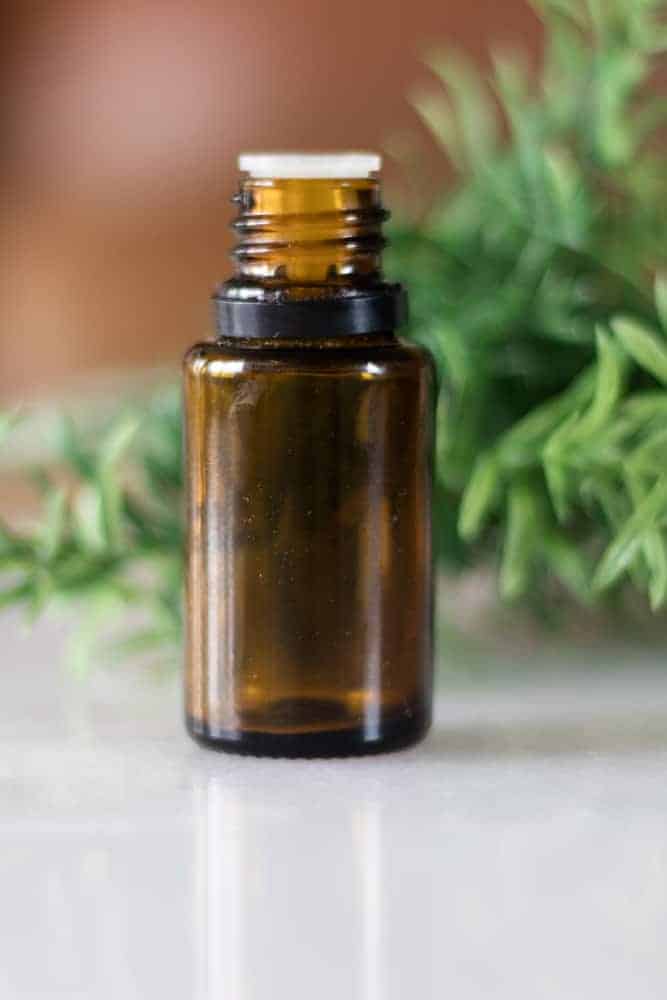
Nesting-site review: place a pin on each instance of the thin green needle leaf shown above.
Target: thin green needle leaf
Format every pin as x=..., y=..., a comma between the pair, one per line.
x=609, y=381
x=625, y=546
x=555, y=460
x=142, y=641
x=118, y=441
x=17, y=594
x=523, y=443
x=439, y=119
x=521, y=537
x=567, y=562
x=643, y=407
x=660, y=292
x=72, y=449
x=653, y=548
x=569, y=9
x=474, y=115
x=55, y=523
x=656, y=554
x=42, y=590
x=642, y=345
x=88, y=519
x=651, y=454
x=565, y=444
x=479, y=497
x=110, y=492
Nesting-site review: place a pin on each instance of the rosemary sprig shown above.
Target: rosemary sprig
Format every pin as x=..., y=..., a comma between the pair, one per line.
x=533, y=280
x=110, y=538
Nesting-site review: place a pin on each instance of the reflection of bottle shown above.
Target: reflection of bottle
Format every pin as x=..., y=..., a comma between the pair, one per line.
x=309, y=445
x=258, y=925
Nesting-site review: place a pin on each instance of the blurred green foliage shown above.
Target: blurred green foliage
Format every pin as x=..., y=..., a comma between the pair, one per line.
x=535, y=282
x=534, y=279
x=111, y=536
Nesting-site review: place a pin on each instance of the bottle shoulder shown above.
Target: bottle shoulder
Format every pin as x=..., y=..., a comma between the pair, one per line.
x=391, y=357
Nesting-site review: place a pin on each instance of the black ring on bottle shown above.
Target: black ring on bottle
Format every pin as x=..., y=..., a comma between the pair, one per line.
x=345, y=315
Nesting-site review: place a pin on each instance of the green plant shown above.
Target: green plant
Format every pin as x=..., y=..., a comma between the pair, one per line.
x=533, y=280
x=111, y=534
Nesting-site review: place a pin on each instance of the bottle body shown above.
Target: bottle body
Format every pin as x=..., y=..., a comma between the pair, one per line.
x=309, y=581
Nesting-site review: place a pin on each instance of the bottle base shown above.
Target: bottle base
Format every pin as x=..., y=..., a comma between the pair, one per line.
x=393, y=734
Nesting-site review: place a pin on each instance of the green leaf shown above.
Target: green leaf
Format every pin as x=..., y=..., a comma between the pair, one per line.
x=660, y=290
x=142, y=641
x=595, y=9
x=643, y=407
x=88, y=518
x=619, y=73
x=568, y=563
x=72, y=449
x=55, y=523
x=16, y=594
x=441, y=122
x=112, y=451
x=656, y=554
x=479, y=496
x=474, y=115
x=642, y=345
x=554, y=459
x=609, y=381
x=647, y=517
x=118, y=440
x=650, y=454
x=524, y=525
x=41, y=591
x=523, y=443
x=511, y=81
x=654, y=549
x=569, y=9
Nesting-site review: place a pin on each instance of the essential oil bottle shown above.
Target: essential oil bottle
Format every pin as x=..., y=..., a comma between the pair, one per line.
x=309, y=448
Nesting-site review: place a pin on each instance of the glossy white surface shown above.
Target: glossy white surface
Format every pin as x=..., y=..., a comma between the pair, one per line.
x=520, y=853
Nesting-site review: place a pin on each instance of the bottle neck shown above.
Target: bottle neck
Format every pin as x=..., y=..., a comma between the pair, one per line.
x=308, y=262
x=309, y=237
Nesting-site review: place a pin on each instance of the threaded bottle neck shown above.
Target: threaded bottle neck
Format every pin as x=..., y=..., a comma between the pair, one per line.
x=308, y=258
x=309, y=236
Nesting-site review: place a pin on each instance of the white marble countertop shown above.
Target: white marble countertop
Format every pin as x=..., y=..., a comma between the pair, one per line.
x=521, y=852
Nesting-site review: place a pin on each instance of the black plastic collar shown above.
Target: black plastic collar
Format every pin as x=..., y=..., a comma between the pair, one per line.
x=375, y=311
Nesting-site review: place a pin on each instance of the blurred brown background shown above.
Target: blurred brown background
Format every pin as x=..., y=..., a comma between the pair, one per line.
x=122, y=122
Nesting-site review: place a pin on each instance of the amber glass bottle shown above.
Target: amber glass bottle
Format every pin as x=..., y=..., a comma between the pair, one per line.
x=309, y=439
